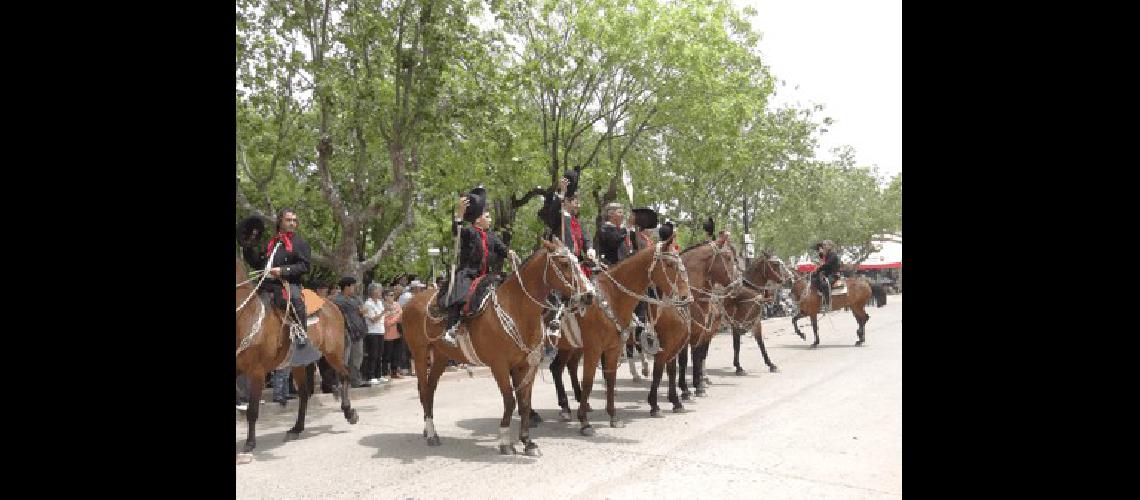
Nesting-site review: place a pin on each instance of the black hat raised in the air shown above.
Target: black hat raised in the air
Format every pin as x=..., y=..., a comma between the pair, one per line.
x=645, y=218
x=477, y=204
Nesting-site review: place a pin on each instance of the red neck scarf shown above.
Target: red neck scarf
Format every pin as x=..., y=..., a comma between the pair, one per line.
x=285, y=237
x=576, y=234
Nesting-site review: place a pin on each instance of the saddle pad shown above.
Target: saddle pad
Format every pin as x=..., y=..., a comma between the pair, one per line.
x=313, y=302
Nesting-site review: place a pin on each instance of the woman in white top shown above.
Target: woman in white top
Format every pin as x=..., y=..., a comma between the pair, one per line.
x=374, y=341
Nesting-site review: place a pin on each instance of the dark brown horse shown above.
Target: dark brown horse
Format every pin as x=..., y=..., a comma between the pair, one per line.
x=712, y=274
x=263, y=344
x=506, y=336
x=744, y=310
x=858, y=291
x=598, y=336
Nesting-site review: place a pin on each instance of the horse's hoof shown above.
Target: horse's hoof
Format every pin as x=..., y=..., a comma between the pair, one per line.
x=686, y=396
x=679, y=409
x=433, y=441
x=617, y=423
x=244, y=458
x=859, y=342
x=701, y=393
x=740, y=371
x=292, y=434
x=707, y=381
x=249, y=446
x=802, y=337
x=564, y=416
x=773, y=369
x=507, y=449
x=655, y=413
x=532, y=450
x=815, y=345
x=353, y=418
x=587, y=431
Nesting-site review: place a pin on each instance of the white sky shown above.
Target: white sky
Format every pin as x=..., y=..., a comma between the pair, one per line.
x=846, y=55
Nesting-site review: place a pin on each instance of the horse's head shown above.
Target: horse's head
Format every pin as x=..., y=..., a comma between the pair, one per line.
x=767, y=269
x=564, y=274
x=722, y=266
x=668, y=273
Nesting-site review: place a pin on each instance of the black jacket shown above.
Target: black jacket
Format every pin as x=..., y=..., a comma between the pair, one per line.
x=353, y=320
x=293, y=263
x=471, y=249
x=830, y=265
x=612, y=243
x=549, y=215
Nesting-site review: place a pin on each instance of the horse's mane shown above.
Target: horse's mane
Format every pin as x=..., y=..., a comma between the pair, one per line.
x=695, y=246
x=515, y=275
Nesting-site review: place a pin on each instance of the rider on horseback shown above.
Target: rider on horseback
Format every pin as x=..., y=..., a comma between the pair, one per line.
x=479, y=251
x=828, y=270
x=289, y=262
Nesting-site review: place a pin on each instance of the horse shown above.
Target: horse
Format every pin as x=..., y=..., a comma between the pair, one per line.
x=597, y=335
x=744, y=310
x=508, y=338
x=808, y=304
x=263, y=344
x=712, y=271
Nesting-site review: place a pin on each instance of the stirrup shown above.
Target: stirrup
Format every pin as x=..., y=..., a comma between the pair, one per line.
x=298, y=333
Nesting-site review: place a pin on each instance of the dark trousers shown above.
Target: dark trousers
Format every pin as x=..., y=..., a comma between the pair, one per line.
x=373, y=345
x=393, y=355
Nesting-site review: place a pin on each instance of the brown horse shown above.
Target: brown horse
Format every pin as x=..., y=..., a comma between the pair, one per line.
x=808, y=302
x=598, y=336
x=745, y=309
x=507, y=336
x=263, y=344
x=712, y=274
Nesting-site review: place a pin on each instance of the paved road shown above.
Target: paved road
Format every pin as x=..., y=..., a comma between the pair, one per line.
x=828, y=425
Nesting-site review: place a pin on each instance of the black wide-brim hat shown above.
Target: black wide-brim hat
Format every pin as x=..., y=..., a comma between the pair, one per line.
x=645, y=218
x=250, y=229
x=572, y=176
x=665, y=230
x=477, y=204
x=710, y=227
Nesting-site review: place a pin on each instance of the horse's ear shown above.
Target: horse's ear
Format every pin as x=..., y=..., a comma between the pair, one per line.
x=549, y=246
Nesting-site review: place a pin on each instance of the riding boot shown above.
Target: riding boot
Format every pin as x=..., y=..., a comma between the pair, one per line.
x=452, y=325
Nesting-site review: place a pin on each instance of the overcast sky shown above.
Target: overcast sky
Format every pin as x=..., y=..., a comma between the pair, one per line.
x=846, y=55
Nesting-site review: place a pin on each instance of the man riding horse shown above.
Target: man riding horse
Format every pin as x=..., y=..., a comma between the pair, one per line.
x=291, y=256
x=617, y=241
x=828, y=271
x=480, y=251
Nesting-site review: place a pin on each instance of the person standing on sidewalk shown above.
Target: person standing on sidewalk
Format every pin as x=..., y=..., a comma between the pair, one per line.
x=353, y=310
x=393, y=348
x=374, y=341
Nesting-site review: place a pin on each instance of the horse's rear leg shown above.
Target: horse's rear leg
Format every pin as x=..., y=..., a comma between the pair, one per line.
x=503, y=378
x=429, y=380
x=736, y=333
x=815, y=330
x=302, y=376
x=861, y=316
x=556, y=367
x=796, y=326
x=682, y=367
x=340, y=381
x=256, y=384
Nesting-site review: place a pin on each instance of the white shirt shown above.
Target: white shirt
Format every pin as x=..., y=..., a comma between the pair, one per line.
x=372, y=307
